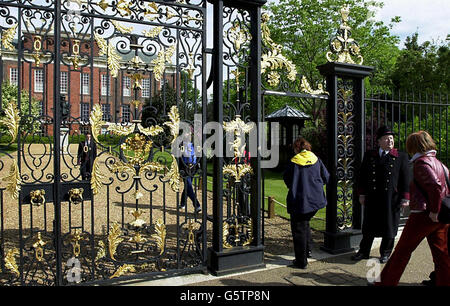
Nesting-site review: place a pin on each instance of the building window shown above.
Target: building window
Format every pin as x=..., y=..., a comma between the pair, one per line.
x=106, y=112
x=125, y=113
x=85, y=83
x=41, y=108
x=146, y=88
x=126, y=88
x=14, y=76
x=84, y=112
x=64, y=82
x=105, y=85
x=39, y=80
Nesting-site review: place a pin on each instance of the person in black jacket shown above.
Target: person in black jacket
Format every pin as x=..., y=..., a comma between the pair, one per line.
x=305, y=178
x=87, y=152
x=383, y=190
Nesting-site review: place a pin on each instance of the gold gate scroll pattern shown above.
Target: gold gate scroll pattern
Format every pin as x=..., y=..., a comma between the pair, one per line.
x=11, y=122
x=116, y=237
x=139, y=144
x=343, y=47
x=345, y=150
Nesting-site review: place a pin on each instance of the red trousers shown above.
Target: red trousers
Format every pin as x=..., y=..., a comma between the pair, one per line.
x=418, y=227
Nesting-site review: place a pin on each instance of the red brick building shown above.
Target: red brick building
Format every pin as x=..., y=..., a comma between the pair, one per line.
x=90, y=84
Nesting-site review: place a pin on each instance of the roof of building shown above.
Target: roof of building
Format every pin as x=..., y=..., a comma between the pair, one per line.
x=288, y=112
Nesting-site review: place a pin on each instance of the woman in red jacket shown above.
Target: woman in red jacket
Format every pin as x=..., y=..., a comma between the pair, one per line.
x=426, y=193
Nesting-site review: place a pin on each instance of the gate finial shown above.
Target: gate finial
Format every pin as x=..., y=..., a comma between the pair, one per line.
x=342, y=46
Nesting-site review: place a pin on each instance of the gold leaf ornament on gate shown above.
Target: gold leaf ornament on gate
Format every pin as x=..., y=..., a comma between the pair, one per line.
x=160, y=235
x=11, y=120
x=38, y=247
x=114, y=239
x=174, y=126
x=8, y=37
x=13, y=181
x=10, y=261
x=343, y=48
x=273, y=59
x=111, y=53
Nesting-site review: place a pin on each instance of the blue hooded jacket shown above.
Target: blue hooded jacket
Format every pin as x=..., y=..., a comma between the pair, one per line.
x=305, y=177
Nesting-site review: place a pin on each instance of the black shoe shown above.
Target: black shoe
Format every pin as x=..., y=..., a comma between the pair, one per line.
x=359, y=256
x=384, y=259
x=296, y=265
x=198, y=209
x=430, y=282
x=182, y=206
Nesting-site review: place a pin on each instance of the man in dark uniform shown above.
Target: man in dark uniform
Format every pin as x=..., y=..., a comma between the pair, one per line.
x=384, y=188
x=87, y=151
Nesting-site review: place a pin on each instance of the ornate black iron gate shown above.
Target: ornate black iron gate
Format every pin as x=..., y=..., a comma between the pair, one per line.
x=127, y=72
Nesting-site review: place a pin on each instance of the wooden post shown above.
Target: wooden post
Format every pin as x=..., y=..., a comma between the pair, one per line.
x=271, y=208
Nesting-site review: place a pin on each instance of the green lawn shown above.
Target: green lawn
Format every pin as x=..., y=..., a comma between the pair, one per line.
x=274, y=186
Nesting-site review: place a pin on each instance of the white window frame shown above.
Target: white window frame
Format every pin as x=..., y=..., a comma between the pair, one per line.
x=14, y=76
x=64, y=82
x=105, y=80
x=84, y=83
x=126, y=86
x=38, y=80
x=106, y=110
x=126, y=118
x=145, y=88
x=84, y=112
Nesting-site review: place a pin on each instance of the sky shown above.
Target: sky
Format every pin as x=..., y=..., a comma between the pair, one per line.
x=430, y=18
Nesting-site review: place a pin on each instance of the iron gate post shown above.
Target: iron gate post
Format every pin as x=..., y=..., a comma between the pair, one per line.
x=345, y=128
x=223, y=261
x=57, y=146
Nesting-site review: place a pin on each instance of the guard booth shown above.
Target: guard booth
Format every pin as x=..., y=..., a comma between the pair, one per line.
x=291, y=122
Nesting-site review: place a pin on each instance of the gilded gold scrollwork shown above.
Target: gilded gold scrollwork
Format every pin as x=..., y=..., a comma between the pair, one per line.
x=238, y=36
x=13, y=181
x=122, y=270
x=96, y=178
x=37, y=47
x=274, y=59
x=75, y=59
x=95, y=119
x=111, y=53
x=307, y=88
x=137, y=223
x=343, y=48
x=38, y=247
x=164, y=56
x=11, y=120
x=8, y=36
x=10, y=261
x=75, y=239
x=160, y=235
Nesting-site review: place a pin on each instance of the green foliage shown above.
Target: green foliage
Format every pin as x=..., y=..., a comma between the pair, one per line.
x=28, y=113
x=436, y=128
x=304, y=28
x=422, y=67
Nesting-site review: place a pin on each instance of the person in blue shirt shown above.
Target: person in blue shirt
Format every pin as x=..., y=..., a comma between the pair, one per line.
x=188, y=164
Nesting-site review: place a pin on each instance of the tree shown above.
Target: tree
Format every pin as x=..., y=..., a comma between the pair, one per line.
x=29, y=113
x=304, y=29
x=422, y=67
